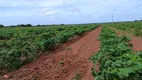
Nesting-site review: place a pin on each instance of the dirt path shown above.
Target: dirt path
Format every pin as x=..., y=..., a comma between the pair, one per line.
x=69, y=63
x=135, y=41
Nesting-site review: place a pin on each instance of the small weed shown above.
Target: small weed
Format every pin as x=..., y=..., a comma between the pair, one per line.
x=77, y=76
x=61, y=63
x=69, y=48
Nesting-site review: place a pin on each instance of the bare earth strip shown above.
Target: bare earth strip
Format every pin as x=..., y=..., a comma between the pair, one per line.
x=135, y=41
x=67, y=63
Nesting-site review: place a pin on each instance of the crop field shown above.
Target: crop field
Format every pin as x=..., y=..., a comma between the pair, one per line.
x=19, y=46
x=112, y=55
x=131, y=27
x=116, y=59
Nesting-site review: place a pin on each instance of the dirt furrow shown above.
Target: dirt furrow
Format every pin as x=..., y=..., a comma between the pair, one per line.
x=135, y=41
x=67, y=63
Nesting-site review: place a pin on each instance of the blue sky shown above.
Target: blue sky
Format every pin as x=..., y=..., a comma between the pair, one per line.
x=34, y=12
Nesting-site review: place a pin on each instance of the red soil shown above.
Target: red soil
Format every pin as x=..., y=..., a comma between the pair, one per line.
x=135, y=41
x=65, y=63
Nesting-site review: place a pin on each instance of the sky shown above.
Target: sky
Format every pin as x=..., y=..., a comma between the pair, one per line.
x=13, y=12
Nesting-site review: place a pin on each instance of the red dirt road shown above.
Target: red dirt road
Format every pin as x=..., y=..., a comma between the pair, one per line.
x=69, y=63
x=135, y=41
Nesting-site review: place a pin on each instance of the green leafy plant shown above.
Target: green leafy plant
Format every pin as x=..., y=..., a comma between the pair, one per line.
x=131, y=27
x=20, y=45
x=116, y=59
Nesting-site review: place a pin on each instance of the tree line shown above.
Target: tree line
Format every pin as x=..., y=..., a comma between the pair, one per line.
x=27, y=25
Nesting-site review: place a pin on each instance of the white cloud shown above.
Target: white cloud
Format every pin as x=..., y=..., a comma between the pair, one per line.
x=51, y=13
x=71, y=11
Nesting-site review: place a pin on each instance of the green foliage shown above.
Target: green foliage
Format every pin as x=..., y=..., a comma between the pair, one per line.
x=24, y=25
x=131, y=27
x=1, y=26
x=139, y=53
x=20, y=45
x=116, y=59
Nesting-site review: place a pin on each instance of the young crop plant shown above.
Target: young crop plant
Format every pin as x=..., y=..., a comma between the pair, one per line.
x=116, y=60
x=21, y=45
x=131, y=27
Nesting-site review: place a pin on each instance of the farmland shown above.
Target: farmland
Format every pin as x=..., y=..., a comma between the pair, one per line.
x=116, y=60
x=131, y=27
x=96, y=52
x=19, y=45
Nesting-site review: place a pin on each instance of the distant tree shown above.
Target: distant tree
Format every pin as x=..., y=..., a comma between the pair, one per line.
x=24, y=25
x=12, y=26
x=136, y=20
x=62, y=24
x=38, y=25
x=20, y=25
x=43, y=25
x=51, y=24
x=140, y=20
x=1, y=26
x=28, y=25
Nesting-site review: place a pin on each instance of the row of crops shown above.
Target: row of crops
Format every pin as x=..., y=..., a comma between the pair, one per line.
x=19, y=46
x=115, y=59
x=131, y=27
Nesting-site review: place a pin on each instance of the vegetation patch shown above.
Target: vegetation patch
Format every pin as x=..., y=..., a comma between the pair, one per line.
x=21, y=45
x=116, y=60
x=131, y=27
